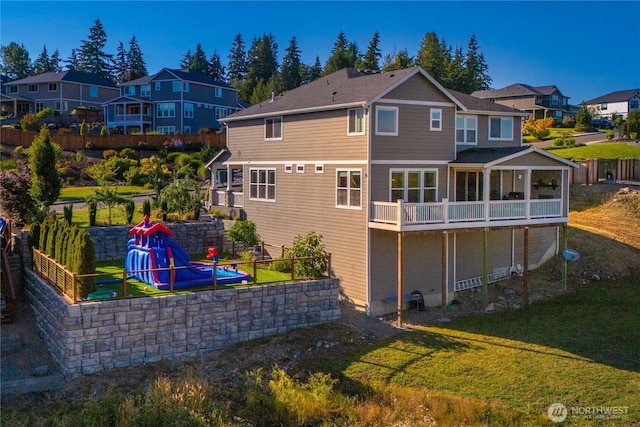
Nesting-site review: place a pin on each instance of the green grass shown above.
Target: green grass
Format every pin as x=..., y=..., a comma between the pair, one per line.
x=80, y=217
x=600, y=151
x=80, y=193
x=579, y=350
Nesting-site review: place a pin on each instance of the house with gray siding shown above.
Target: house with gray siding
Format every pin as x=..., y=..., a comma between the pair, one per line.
x=63, y=92
x=171, y=101
x=412, y=186
x=618, y=103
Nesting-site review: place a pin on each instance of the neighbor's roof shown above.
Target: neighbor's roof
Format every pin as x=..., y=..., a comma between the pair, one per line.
x=515, y=90
x=491, y=156
x=617, y=96
x=476, y=104
x=65, y=76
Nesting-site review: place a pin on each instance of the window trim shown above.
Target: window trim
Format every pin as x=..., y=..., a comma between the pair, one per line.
x=266, y=184
x=13, y=89
x=432, y=119
x=158, y=86
x=39, y=106
x=465, y=129
x=191, y=110
x=217, y=92
x=55, y=87
x=176, y=86
x=63, y=106
x=380, y=108
x=422, y=187
x=348, y=188
x=158, y=110
x=145, y=93
x=501, y=137
x=33, y=86
x=364, y=126
x=319, y=168
x=272, y=119
x=288, y=168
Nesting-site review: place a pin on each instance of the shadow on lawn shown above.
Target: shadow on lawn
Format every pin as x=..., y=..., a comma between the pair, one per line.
x=599, y=323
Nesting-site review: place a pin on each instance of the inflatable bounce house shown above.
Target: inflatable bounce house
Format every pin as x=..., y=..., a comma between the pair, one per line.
x=151, y=252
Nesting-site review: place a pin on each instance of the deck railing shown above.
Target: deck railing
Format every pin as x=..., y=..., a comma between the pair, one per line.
x=401, y=213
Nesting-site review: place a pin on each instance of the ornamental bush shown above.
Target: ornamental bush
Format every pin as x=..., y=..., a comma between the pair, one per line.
x=84, y=261
x=309, y=246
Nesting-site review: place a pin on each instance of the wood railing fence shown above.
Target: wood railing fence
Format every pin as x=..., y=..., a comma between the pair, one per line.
x=594, y=170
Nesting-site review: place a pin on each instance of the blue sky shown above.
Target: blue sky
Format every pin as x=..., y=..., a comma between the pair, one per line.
x=586, y=48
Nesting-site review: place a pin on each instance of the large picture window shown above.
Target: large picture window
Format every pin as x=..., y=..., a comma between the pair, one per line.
x=414, y=186
x=466, y=129
x=356, y=121
x=273, y=128
x=263, y=184
x=501, y=128
x=349, y=189
x=166, y=109
x=387, y=121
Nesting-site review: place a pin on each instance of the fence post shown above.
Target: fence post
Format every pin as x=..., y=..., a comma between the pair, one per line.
x=171, y=271
x=124, y=283
x=255, y=271
x=215, y=277
x=293, y=268
x=74, y=284
x=328, y=265
x=281, y=251
x=262, y=250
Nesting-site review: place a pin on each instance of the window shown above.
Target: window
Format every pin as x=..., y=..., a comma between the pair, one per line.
x=348, y=189
x=13, y=89
x=39, y=106
x=468, y=186
x=604, y=106
x=217, y=92
x=299, y=168
x=221, y=112
x=319, y=169
x=356, y=121
x=167, y=130
x=273, y=128
x=188, y=110
x=554, y=100
x=33, y=88
x=387, y=121
x=61, y=106
x=633, y=104
x=166, y=109
x=466, y=128
x=501, y=128
x=157, y=85
x=129, y=90
x=186, y=86
x=177, y=86
x=53, y=87
x=288, y=168
x=145, y=90
x=186, y=129
x=263, y=184
x=436, y=119
x=93, y=91
x=414, y=186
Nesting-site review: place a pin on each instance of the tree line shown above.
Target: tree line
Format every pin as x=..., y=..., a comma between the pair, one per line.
x=254, y=69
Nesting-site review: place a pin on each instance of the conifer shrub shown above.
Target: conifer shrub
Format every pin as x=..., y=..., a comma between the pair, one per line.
x=68, y=213
x=129, y=210
x=93, y=210
x=63, y=231
x=51, y=239
x=44, y=234
x=84, y=261
x=34, y=235
x=146, y=208
x=71, y=249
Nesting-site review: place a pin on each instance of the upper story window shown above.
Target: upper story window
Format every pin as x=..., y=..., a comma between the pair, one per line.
x=33, y=88
x=387, y=121
x=177, y=86
x=273, y=128
x=188, y=110
x=166, y=109
x=53, y=87
x=145, y=90
x=186, y=86
x=221, y=112
x=501, y=128
x=356, y=121
x=158, y=85
x=554, y=100
x=129, y=90
x=167, y=130
x=262, y=184
x=13, y=89
x=604, y=106
x=466, y=129
x=435, y=123
x=633, y=104
x=93, y=91
x=349, y=188
x=414, y=186
x=217, y=92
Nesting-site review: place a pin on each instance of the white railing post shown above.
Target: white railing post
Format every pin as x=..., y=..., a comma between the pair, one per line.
x=400, y=212
x=445, y=210
x=527, y=194
x=486, y=191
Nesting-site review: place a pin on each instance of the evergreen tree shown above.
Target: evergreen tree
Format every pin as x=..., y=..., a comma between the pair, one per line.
x=199, y=61
x=137, y=66
x=397, y=61
x=216, y=69
x=339, y=55
x=475, y=68
x=262, y=63
x=92, y=57
x=73, y=61
x=45, y=177
x=291, y=71
x=55, y=61
x=120, y=64
x=455, y=71
x=583, y=118
x=371, y=57
x=43, y=63
x=433, y=56
x=186, y=59
x=354, y=57
x=237, y=65
x=15, y=61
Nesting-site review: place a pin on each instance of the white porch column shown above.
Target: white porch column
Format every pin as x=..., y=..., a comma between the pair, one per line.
x=486, y=190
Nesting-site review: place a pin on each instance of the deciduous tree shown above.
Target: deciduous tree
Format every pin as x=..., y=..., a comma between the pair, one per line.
x=15, y=60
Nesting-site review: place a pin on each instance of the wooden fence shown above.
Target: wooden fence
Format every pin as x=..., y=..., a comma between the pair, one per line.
x=75, y=142
x=594, y=170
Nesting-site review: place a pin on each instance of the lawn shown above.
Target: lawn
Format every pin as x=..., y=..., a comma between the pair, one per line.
x=73, y=193
x=553, y=133
x=80, y=217
x=600, y=151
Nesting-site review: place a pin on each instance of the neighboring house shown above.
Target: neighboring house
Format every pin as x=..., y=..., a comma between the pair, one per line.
x=617, y=103
x=540, y=101
x=63, y=92
x=408, y=183
x=171, y=101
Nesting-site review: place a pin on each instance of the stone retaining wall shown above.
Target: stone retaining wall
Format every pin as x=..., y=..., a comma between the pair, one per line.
x=89, y=337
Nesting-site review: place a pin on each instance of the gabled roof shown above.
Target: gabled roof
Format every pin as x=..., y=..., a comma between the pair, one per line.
x=617, y=96
x=140, y=81
x=183, y=74
x=128, y=98
x=472, y=103
x=73, y=76
x=516, y=90
x=492, y=156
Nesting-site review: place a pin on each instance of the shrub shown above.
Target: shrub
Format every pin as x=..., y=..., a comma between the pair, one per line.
x=129, y=210
x=52, y=236
x=34, y=235
x=30, y=122
x=19, y=149
x=148, y=186
x=68, y=213
x=84, y=261
x=633, y=135
x=182, y=159
x=282, y=266
x=309, y=246
x=104, y=131
x=45, y=112
x=64, y=131
x=178, y=196
x=128, y=153
x=84, y=128
x=8, y=164
x=71, y=248
x=119, y=166
x=539, y=129
x=205, y=131
x=44, y=234
x=610, y=135
x=171, y=157
x=244, y=232
x=146, y=208
x=107, y=154
x=568, y=122
x=93, y=210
